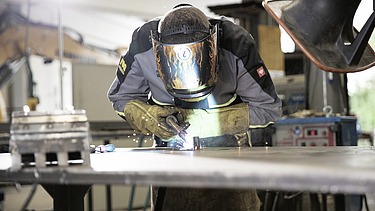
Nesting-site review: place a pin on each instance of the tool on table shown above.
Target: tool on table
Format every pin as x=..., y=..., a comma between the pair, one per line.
x=102, y=148
x=190, y=142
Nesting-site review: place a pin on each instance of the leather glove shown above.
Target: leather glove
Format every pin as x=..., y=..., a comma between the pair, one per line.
x=151, y=118
x=227, y=120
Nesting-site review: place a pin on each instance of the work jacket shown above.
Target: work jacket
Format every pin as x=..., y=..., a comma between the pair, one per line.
x=242, y=75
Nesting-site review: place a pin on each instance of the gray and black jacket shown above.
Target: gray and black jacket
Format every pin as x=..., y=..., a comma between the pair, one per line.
x=243, y=77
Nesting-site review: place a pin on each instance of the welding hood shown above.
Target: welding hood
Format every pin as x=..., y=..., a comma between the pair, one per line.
x=188, y=70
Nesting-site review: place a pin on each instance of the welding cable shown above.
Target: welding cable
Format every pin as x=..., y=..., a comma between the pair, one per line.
x=275, y=201
x=147, y=201
x=131, y=198
x=292, y=195
x=365, y=202
x=29, y=197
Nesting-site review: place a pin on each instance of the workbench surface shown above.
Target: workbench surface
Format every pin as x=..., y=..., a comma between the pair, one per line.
x=317, y=169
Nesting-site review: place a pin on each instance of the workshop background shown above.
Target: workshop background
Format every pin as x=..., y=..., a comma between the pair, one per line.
x=47, y=73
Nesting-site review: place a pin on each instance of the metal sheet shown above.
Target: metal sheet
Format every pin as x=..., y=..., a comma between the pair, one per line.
x=316, y=169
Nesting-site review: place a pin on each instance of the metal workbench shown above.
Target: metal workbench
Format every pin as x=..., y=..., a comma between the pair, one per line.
x=345, y=169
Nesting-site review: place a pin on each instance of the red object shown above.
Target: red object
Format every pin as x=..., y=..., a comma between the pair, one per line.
x=261, y=72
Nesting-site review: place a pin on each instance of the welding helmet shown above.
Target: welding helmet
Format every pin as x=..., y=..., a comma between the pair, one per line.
x=188, y=70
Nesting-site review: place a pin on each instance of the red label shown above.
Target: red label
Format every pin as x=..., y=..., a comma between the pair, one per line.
x=261, y=72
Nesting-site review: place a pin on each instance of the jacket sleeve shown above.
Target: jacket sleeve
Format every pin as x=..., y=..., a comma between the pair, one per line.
x=254, y=83
x=260, y=94
x=130, y=83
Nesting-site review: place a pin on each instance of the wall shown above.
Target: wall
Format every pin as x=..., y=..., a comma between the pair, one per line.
x=90, y=85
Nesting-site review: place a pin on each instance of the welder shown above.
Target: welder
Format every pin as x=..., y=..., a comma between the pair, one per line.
x=203, y=71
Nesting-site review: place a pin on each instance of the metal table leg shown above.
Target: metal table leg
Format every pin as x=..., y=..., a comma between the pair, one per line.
x=67, y=197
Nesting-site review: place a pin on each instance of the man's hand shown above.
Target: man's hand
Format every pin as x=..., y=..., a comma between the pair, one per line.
x=151, y=118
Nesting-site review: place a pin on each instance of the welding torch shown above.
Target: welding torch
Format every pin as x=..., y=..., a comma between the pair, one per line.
x=180, y=129
x=190, y=142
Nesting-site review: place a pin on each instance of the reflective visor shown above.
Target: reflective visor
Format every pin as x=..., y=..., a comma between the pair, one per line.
x=188, y=70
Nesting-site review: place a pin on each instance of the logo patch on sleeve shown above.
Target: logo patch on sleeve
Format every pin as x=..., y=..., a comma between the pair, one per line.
x=122, y=66
x=261, y=72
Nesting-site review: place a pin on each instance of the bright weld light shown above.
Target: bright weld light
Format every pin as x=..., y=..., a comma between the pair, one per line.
x=188, y=143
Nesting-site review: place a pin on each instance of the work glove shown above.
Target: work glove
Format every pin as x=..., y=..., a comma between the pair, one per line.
x=219, y=121
x=151, y=119
x=210, y=123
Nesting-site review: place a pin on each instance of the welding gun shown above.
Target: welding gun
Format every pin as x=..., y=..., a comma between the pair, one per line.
x=180, y=129
x=190, y=142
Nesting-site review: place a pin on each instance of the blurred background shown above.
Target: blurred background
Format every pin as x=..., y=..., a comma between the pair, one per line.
x=63, y=54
